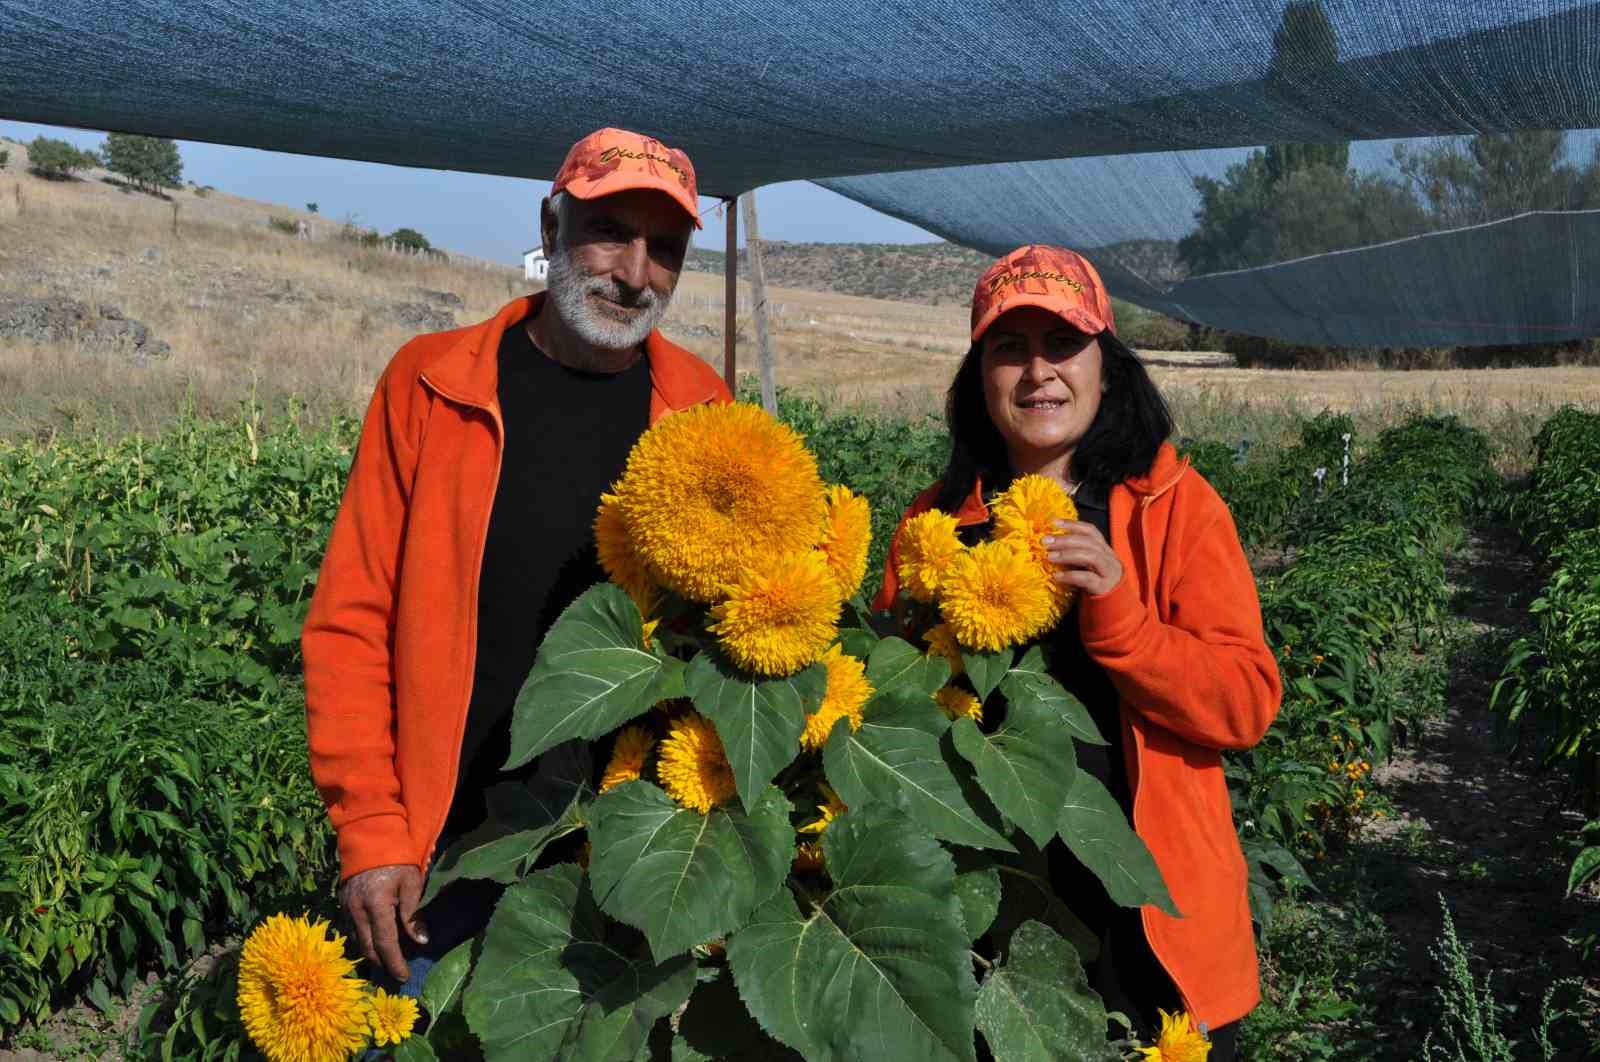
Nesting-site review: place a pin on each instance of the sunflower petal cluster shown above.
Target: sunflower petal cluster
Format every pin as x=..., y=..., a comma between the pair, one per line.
x=1025, y=513
x=957, y=703
x=848, y=537
x=941, y=641
x=717, y=489
x=995, y=595
x=848, y=692
x=628, y=754
x=831, y=808
x=391, y=1017
x=692, y=767
x=924, y=550
x=622, y=563
x=722, y=505
x=1178, y=1041
x=780, y=614
x=298, y=997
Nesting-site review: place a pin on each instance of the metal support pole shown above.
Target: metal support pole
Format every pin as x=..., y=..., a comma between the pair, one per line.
x=730, y=299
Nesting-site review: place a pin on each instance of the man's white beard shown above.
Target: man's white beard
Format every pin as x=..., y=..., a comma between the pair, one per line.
x=570, y=289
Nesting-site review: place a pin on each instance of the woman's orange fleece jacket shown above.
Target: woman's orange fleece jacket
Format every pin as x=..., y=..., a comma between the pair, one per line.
x=1181, y=638
x=392, y=632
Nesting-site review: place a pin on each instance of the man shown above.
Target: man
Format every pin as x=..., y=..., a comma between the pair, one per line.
x=467, y=526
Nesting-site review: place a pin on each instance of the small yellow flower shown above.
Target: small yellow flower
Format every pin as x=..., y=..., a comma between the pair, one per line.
x=957, y=702
x=925, y=548
x=780, y=614
x=849, y=534
x=298, y=998
x=692, y=767
x=628, y=754
x=830, y=810
x=391, y=1017
x=942, y=642
x=1317, y=659
x=848, y=692
x=649, y=631
x=1178, y=1041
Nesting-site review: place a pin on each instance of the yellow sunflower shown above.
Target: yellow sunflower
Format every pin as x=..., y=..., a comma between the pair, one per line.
x=848, y=691
x=628, y=754
x=995, y=596
x=621, y=561
x=297, y=996
x=1028, y=510
x=1179, y=1041
x=780, y=614
x=831, y=808
x=692, y=767
x=942, y=642
x=391, y=1017
x=957, y=702
x=718, y=488
x=849, y=533
x=926, y=548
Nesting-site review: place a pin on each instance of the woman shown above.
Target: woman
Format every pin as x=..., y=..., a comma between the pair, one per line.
x=1164, y=644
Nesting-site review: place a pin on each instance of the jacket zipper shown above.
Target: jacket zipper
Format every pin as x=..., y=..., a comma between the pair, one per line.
x=493, y=410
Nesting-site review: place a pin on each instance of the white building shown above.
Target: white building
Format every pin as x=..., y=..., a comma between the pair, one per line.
x=534, y=265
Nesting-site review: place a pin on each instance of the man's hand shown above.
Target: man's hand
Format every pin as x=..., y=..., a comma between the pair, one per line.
x=380, y=903
x=1083, y=558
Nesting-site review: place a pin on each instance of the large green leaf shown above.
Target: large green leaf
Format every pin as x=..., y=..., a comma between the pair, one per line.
x=1098, y=832
x=985, y=670
x=1586, y=866
x=550, y=983
x=414, y=1049
x=448, y=978
x=898, y=757
x=522, y=821
x=896, y=664
x=978, y=890
x=878, y=969
x=681, y=877
x=1026, y=767
x=592, y=675
x=1038, y=1006
x=1028, y=682
x=759, y=722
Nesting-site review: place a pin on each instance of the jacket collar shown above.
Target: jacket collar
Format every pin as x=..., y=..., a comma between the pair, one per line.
x=1163, y=475
x=468, y=370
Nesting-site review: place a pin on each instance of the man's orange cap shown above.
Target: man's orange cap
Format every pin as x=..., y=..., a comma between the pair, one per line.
x=1051, y=278
x=608, y=161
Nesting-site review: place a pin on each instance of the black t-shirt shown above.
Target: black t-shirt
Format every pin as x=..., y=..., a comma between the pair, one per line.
x=567, y=437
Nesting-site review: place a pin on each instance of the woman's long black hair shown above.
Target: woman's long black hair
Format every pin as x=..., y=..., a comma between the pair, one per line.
x=1132, y=423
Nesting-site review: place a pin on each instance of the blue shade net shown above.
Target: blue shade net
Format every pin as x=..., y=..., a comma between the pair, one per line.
x=1231, y=162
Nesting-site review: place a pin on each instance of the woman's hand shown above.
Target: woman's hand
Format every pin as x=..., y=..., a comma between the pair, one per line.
x=1083, y=558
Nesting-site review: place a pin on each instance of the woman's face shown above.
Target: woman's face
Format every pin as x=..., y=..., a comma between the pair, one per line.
x=1042, y=383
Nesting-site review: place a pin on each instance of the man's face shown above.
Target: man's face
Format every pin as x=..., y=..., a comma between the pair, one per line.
x=614, y=264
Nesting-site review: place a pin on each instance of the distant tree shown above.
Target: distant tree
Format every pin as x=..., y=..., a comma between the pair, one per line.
x=5, y=158
x=150, y=163
x=57, y=159
x=1305, y=55
x=1230, y=211
x=312, y=207
x=410, y=239
x=1472, y=180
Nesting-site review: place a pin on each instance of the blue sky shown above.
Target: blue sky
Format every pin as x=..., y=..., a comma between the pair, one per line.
x=490, y=217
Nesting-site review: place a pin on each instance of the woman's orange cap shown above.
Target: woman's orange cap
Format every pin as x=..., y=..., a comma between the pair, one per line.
x=1051, y=278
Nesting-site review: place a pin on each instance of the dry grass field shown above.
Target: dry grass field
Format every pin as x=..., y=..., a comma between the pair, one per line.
x=247, y=310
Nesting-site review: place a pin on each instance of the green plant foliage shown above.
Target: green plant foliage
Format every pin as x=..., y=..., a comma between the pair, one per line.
x=1026, y=766
x=759, y=722
x=57, y=159
x=150, y=163
x=881, y=958
x=1037, y=1005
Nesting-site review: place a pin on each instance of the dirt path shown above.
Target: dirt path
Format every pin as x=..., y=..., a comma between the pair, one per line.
x=1479, y=826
